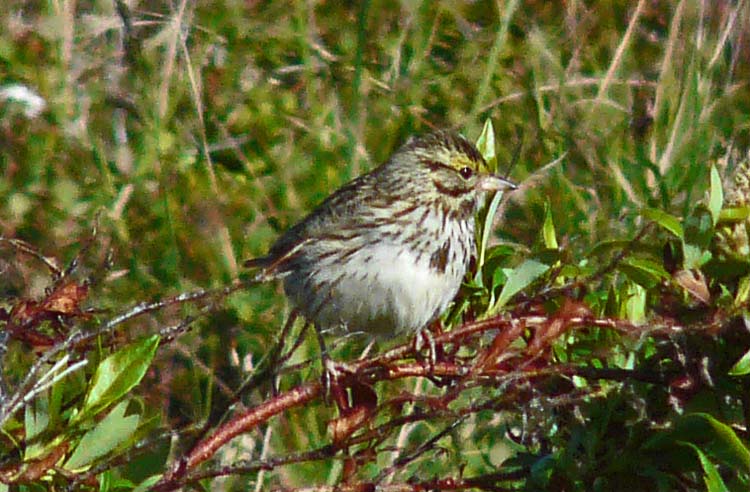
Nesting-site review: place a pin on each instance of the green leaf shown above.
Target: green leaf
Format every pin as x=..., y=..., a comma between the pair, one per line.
x=694, y=256
x=716, y=195
x=734, y=214
x=608, y=245
x=634, y=302
x=715, y=438
x=118, y=374
x=109, y=481
x=665, y=220
x=743, y=292
x=643, y=271
x=108, y=434
x=548, y=228
x=486, y=233
x=36, y=421
x=742, y=366
x=711, y=476
x=518, y=279
x=486, y=145
x=610, y=308
x=146, y=485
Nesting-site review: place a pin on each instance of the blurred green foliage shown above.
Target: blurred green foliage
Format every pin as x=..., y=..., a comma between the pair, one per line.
x=190, y=134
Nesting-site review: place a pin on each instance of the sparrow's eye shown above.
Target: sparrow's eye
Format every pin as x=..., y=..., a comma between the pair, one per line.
x=466, y=172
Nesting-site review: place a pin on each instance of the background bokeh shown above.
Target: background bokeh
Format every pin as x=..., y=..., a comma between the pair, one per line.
x=191, y=134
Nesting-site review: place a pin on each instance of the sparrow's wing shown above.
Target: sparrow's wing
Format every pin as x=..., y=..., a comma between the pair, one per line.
x=333, y=220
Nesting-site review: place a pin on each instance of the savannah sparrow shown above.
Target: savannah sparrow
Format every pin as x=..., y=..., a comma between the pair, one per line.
x=387, y=252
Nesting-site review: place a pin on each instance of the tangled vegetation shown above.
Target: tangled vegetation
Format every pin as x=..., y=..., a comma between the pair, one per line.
x=601, y=341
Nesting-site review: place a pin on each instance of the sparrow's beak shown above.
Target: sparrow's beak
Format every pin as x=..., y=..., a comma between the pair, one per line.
x=490, y=182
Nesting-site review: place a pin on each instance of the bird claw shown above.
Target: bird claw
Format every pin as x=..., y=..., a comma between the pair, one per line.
x=330, y=374
x=333, y=373
x=425, y=336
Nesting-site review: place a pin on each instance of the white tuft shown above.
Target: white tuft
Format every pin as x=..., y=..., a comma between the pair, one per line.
x=33, y=103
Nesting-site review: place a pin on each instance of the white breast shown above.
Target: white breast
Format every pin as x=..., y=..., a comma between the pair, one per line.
x=384, y=287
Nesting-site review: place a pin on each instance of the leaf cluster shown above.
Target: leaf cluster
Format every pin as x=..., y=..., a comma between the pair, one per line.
x=600, y=341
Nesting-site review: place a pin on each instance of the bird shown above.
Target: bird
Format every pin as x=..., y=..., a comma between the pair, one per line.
x=387, y=252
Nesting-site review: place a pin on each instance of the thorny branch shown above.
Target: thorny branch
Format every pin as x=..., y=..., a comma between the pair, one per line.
x=476, y=355
x=77, y=339
x=489, y=367
x=62, y=303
